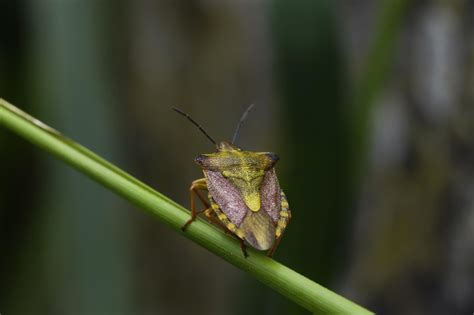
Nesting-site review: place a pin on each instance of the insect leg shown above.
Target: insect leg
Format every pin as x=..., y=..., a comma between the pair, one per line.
x=212, y=217
x=219, y=218
x=196, y=186
x=285, y=217
x=199, y=184
x=243, y=247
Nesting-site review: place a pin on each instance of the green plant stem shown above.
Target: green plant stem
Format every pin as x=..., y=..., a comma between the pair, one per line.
x=289, y=283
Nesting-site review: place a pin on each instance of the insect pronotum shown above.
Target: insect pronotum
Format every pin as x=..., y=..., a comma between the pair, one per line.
x=244, y=196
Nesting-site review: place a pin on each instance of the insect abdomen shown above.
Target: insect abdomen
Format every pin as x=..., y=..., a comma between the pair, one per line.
x=285, y=216
x=259, y=230
x=225, y=220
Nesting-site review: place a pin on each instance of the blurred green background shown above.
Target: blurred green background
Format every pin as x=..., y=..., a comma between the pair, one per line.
x=369, y=105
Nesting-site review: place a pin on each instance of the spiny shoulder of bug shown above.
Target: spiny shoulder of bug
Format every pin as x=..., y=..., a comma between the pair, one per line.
x=244, y=169
x=231, y=160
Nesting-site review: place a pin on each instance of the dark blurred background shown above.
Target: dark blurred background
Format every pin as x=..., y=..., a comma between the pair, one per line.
x=369, y=105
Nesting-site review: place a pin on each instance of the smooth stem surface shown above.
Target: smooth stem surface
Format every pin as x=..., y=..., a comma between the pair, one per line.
x=289, y=283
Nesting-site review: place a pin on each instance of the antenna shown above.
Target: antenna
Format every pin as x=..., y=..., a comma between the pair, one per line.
x=194, y=123
x=242, y=119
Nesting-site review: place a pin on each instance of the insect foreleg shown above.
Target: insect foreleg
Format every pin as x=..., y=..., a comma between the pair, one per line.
x=243, y=247
x=199, y=184
x=196, y=186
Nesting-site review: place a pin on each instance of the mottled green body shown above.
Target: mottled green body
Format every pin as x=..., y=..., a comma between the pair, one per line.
x=245, y=194
x=244, y=169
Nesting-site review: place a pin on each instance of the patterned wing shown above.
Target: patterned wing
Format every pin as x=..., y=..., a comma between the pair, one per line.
x=227, y=196
x=258, y=228
x=271, y=195
x=274, y=202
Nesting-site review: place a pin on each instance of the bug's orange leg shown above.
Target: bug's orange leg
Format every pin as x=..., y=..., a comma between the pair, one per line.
x=244, y=248
x=199, y=184
x=196, y=191
x=274, y=247
x=211, y=216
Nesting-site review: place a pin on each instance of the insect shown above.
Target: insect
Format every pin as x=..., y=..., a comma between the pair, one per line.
x=244, y=195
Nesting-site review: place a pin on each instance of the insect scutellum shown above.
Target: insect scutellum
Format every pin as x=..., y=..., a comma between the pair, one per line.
x=244, y=196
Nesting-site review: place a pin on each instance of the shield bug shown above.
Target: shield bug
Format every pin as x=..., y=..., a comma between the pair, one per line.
x=244, y=196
